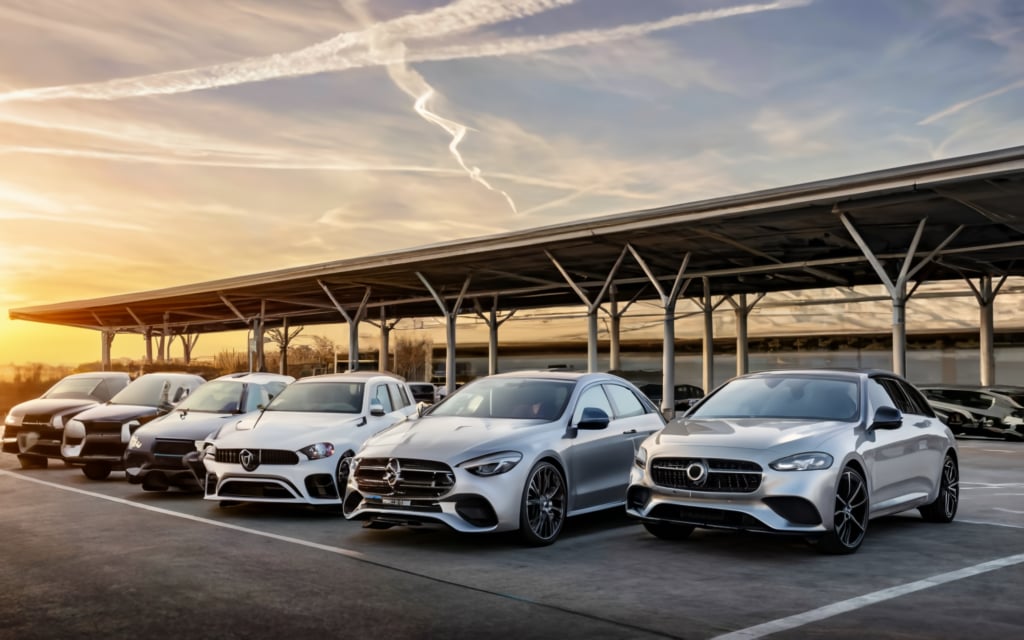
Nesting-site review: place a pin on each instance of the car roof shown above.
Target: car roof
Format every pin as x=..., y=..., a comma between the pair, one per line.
x=560, y=374
x=352, y=376
x=257, y=377
x=100, y=374
x=172, y=375
x=831, y=372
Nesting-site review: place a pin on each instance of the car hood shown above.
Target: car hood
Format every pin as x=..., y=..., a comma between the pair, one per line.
x=50, y=406
x=444, y=438
x=190, y=425
x=292, y=430
x=116, y=412
x=747, y=433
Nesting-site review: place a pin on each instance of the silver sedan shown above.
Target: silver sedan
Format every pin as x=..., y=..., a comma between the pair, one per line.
x=511, y=451
x=815, y=453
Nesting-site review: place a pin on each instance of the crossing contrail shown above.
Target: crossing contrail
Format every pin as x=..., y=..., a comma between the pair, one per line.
x=334, y=55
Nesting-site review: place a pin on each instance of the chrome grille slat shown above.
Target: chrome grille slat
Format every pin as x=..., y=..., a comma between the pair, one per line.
x=723, y=476
x=419, y=478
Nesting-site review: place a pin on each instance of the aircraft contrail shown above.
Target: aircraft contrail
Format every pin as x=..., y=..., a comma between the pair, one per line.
x=332, y=55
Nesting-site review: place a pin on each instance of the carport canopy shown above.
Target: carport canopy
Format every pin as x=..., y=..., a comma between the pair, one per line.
x=959, y=218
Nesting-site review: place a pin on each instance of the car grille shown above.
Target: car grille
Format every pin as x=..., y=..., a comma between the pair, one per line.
x=724, y=476
x=94, y=428
x=36, y=420
x=265, y=456
x=173, y=447
x=404, y=477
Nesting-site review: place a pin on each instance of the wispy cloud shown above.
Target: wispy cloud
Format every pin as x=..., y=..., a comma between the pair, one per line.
x=335, y=54
x=966, y=104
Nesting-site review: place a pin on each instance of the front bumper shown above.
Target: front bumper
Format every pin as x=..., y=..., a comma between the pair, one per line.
x=469, y=503
x=786, y=502
x=37, y=440
x=161, y=465
x=304, y=482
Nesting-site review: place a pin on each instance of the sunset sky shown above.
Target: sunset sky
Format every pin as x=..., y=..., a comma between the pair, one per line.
x=151, y=144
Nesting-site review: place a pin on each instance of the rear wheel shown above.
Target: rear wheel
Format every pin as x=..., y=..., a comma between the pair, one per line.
x=542, y=513
x=943, y=509
x=32, y=462
x=96, y=470
x=850, y=517
x=669, y=530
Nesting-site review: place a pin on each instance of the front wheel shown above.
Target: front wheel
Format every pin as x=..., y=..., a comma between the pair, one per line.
x=850, y=515
x=543, y=508
x=341, y=474
x=669, y=530
x=96, y=470
x=943, y=508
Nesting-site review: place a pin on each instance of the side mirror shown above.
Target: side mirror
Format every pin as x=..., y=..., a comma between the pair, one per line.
x=593, y=418
x=376, y=408
x=887, y=418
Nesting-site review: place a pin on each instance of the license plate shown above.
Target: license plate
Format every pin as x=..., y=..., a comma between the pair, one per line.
x=396, y=502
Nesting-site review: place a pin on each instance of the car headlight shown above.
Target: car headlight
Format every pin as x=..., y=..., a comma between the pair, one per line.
x=318, y=450
x=74, y=429
x=640, y=459
x=493, y=464
x=12, y=420
x=135, y=443
x=803, y=462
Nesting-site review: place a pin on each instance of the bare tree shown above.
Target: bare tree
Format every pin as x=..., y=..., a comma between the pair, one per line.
x=412, y=358
x=282, y=337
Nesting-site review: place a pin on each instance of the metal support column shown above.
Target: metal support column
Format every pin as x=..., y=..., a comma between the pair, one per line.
x=106, y=340
x=742, y=310
x=353, y=321
x=493, y=322
x=708, y=348
x=986, y=294
x=450, y=316
x=668, y=348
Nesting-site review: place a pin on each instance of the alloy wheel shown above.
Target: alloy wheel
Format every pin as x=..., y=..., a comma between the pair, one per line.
x=544, y=504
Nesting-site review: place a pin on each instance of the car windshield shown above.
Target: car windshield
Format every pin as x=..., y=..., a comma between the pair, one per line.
x=509, y=398
x=788, y=398
x=218, y=396
x=73, y=388
x=144, y=392
x=320, y=397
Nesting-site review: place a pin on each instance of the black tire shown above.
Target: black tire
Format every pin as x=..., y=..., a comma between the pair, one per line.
x=96, y=470
x=32, y=462
x=850, y=516
x=943, y=508
x=669, y=530
x=543, y=505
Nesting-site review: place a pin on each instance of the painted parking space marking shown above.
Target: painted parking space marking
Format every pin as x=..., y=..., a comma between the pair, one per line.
x=846, y=606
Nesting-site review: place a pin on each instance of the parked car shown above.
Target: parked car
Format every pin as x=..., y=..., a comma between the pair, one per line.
x=996, y=411
x=512, y=451
x=33, y=429
x=299, y=449
x=96, y=438
x=155, y=451
x=815, y=453
x=424, y=392
x=686, y=395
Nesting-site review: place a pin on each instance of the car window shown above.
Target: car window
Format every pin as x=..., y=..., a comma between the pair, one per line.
x=381, y=395
x=794, y=398
x=326, y=397
x=625, y=403
x=898, y=395
x=403, y=393
x=592, y=397
x=516, y=398
x=878, y=396
x=917, y=401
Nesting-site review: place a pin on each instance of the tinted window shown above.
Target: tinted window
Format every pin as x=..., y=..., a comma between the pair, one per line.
x=218, y=396
x=592, y=397
x=878, y=396
x=149, y=392
x=522, y=398
x=325, y=397
x=626, y=404
x=797, y=398
x=898, y=395
x=382, y=396
x=74, y=388
x=917, y=401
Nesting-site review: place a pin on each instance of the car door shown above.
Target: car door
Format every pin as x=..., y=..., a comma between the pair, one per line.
x=900, y=462
x=600, y=459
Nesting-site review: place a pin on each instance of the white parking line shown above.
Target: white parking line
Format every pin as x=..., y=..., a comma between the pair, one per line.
x=184, y=516
x=828, y=611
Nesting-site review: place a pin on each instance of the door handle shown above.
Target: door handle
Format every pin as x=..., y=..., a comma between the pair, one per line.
x=630, y=432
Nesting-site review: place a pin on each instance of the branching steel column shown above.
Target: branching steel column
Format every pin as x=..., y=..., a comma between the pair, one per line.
x=450, y=317
x=384, y=359
x=668, y=346
x=493, y=322
x=986, y=294
x=708, y=347
x=352, y=321
x=742, y=310
x=898, y=288
x=592, y=305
